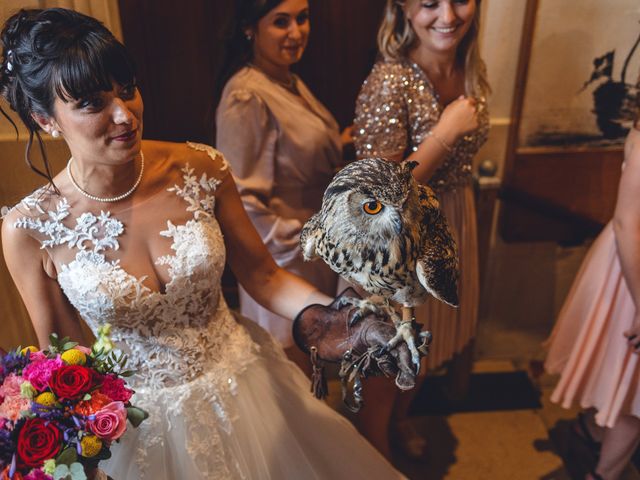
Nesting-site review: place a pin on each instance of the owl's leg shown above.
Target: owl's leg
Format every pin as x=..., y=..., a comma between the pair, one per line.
x=374, y=304
x=405, y=333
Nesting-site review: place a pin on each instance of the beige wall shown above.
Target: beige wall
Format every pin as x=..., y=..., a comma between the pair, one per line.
x=501, y=30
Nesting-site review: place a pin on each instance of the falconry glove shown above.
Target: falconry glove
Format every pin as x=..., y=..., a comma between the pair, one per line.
x=328, y=334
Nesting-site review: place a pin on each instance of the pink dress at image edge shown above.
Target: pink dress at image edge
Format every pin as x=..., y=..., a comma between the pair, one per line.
x=396, y=108
x=587, y=345
x=283, y=150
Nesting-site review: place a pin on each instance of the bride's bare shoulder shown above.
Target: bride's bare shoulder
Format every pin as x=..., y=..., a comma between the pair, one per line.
x=198, y=157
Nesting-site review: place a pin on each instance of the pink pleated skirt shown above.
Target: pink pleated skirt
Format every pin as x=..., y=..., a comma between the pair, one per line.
x=587, y=346
x=453, y=328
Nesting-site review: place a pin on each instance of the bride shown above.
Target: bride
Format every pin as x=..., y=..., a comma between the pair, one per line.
x=136, y=234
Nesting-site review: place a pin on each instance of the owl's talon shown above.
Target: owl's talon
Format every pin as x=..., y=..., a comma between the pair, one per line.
x=406, y=334
x=355, y=318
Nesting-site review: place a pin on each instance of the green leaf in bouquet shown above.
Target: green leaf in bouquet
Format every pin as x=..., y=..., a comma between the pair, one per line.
x=69, y=346
x=77, y=472
x=87, y=397
x=127, y=373
x=73, y=472
x=67, y=457
x=136, y=415
x=57, y=344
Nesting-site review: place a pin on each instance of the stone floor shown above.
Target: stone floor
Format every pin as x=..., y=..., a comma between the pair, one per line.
x=532, y=444
x=525, y=444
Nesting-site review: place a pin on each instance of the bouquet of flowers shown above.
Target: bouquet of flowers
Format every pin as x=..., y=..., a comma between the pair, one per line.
x=61, y=409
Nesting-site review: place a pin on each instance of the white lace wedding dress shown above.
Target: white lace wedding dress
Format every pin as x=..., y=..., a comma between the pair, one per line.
x=224, y=401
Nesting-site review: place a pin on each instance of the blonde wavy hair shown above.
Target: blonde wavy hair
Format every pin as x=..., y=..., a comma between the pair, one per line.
x=396, y=38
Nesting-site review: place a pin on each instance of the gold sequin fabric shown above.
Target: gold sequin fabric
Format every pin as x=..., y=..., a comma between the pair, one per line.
x=397, y=107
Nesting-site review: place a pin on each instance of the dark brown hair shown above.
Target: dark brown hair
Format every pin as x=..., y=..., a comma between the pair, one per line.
x=57, y=53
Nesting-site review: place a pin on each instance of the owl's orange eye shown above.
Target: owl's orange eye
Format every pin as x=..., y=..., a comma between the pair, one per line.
x=372, y=208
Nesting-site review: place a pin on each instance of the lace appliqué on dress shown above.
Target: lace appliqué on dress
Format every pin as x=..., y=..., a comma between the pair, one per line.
x=184, y=343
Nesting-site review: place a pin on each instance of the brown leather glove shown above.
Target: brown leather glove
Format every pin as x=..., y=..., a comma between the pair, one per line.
x=325, y=333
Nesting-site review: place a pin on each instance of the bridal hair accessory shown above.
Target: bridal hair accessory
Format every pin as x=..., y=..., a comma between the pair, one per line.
x=62, y=409
x=107, y=199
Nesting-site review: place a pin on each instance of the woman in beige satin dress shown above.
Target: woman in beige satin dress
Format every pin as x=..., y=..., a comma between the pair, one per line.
x=282, y=143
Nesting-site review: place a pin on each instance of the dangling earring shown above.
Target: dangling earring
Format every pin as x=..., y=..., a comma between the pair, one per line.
x=55, y=133
x=249, y=36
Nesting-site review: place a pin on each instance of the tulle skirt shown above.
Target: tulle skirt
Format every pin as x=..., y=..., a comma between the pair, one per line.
x=453, y=328
x=587, y=345
x=270, y=427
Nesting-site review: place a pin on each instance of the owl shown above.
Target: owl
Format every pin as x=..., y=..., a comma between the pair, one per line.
x=380, y=229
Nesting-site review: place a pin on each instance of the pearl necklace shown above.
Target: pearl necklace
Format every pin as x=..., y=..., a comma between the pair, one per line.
x=107, y=199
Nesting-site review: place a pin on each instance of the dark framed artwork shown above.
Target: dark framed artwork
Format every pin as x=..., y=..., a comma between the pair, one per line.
x=575, y=96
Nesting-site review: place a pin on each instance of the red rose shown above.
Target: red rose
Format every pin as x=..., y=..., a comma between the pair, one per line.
x=71, y=381
x=38, y=440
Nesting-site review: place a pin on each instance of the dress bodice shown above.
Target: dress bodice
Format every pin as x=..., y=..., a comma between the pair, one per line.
x=172, y=335
x=397, y=107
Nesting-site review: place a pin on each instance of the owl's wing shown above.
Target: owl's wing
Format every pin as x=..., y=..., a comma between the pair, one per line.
x=437, y=266
x=309, y=236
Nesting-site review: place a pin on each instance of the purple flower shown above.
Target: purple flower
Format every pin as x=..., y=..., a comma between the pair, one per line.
x=12, y=362
x=7, y=447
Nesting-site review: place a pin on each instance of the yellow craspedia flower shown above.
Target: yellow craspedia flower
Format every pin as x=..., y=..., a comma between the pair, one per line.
x=74, y=357
x=30, y=348
x=91, y=446
x=47, y=399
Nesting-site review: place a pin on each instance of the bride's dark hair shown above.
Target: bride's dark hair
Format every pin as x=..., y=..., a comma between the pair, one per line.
x=56, y=53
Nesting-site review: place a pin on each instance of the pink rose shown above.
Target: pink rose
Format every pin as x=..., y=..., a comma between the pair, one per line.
x=33, y=356
x=110, y=422
x=114, y=388
x=39, y=372
x=85, y=350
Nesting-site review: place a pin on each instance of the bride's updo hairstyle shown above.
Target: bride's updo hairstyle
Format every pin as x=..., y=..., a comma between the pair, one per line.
x=56, y=53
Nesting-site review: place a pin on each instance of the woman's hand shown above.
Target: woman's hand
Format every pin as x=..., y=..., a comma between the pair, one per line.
x=633, y=334
x=347, y=136
x=458, y=119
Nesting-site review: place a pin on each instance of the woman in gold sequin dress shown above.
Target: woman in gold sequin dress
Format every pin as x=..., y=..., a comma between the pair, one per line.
x=425, y=101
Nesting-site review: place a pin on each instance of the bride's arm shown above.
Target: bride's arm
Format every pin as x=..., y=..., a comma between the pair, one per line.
x=271, y=286
x=48, y=308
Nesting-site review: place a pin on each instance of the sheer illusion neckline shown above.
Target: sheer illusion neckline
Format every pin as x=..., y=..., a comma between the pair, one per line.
x=94, y=238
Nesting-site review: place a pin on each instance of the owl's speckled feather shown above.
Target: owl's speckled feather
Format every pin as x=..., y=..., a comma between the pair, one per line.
x=404, y=252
